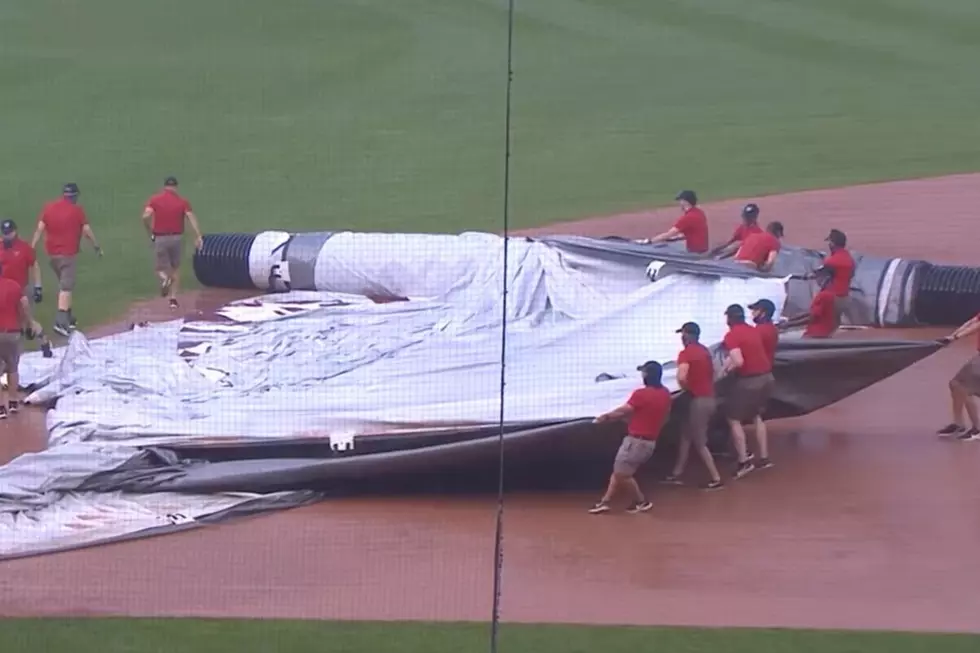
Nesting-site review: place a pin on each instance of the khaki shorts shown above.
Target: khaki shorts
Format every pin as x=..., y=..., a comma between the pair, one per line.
x=64, y=272
x=748, y=397
x=699, y=415
x=633, y=452
x=168, y=250
x=11, y=347
x=969, y=376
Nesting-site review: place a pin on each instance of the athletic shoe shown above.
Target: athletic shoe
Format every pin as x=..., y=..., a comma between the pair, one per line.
x=744, y=469
x=46, y=350
x=670, y=479
x=3, y=412
x=711, y=486
x=639, y=507
x=764, y=463
x=62, y=330
x=950, y=429
x=13, y=407
x=174, y=305
x=599, y=508
x=969, y=436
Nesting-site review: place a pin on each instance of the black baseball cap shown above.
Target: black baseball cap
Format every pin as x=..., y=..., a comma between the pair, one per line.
x=837, y=238
x=691, y=329
x=8, y=227
x=688, y=196
x=170, y=181
x=765, y=306
x=650, y=366
x=750, y=211
x=71, y=188
x=735, y=310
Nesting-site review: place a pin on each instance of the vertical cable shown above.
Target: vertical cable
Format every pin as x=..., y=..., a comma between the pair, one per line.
x=498, y=551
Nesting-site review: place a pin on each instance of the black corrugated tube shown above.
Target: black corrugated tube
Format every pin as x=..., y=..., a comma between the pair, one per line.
x=222, y=262
x=946, y=295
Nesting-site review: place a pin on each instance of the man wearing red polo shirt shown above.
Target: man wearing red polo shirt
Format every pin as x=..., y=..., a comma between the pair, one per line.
x=821, y=320
x=163, y=218
x=647, y=411
x=18, y=262
x=760, y=250
x=752, y=385
x=63, y=223
x=965, y=385
x=692, y=226
x=696, y=376
x=748, y=226
x=840, y=266
x=15, y=319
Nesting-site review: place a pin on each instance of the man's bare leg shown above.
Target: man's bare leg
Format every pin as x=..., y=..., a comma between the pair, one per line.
x=13, y=390
x=971, y=411
x=630, y=483
x=683, y=452
x=738, y=440
x=63, y=320
x=709, y=462
x=958, y=399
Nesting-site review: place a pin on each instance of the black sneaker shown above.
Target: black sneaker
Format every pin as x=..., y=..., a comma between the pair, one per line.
x=744, y=469
x=670, y=479
x=599, y=508
x=641, y=506
x=13, y=407
x=174, y=305
x=46, y=350
x=950, y=429
x=711, y=486
x=764, y=463
x=3, y=412
x=969, y=436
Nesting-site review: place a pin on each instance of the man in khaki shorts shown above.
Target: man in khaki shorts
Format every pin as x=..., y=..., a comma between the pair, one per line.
x=163, y=218
x=15, y=319
x=964, y=386
x=63, y=223
x=696, y=376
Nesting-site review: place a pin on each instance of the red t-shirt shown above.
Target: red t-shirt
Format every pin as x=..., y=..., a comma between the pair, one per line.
x=757, y=248
x=10, y=296
x=823, y=317
x=978, y=335
x=743, y=231
x=651, y=407
x=16, y=261
x=749, y=341
x=770, y=338
x=169, y=210
x=694, y=225
x=63, y=223
x=842, y=264
x=700, y=370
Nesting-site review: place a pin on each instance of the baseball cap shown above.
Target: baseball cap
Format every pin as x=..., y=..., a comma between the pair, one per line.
x=765, y=306
x=8, y=227
x=170, y=181
x=837, y=237
x=750, y=211
x=688, y=196
x=735, y=310
x=71, y=188
x=650, y=366
x=691, y=329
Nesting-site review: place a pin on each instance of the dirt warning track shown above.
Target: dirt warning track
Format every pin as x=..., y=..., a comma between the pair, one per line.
x=867, y=521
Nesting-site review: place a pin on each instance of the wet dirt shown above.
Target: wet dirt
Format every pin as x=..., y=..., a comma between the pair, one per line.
x=866, y=521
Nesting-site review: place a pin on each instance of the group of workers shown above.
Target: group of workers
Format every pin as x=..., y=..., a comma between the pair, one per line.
x=62, y=224
x=749, y=353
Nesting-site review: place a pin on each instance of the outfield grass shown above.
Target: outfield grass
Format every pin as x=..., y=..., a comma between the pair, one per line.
x=198, y=636
x=374, y=114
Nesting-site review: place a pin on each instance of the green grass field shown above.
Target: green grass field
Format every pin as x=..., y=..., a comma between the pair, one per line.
x=198, y=636
x=388, y=115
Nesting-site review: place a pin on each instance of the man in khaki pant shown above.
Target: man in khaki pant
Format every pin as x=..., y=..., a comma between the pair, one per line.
x=163, y=218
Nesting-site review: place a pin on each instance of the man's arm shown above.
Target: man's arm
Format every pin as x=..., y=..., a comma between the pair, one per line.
x=795, y=321
x=38, y=232
x=966, y=329
x=618, y=413
x=36, y=274
x=770, y=261
x=90, y=236
x=671, y=234
x=682, y=371
x=734, y=361
x=192, y=219
x=26, y=319
x=148, y=221
x=724, y=251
